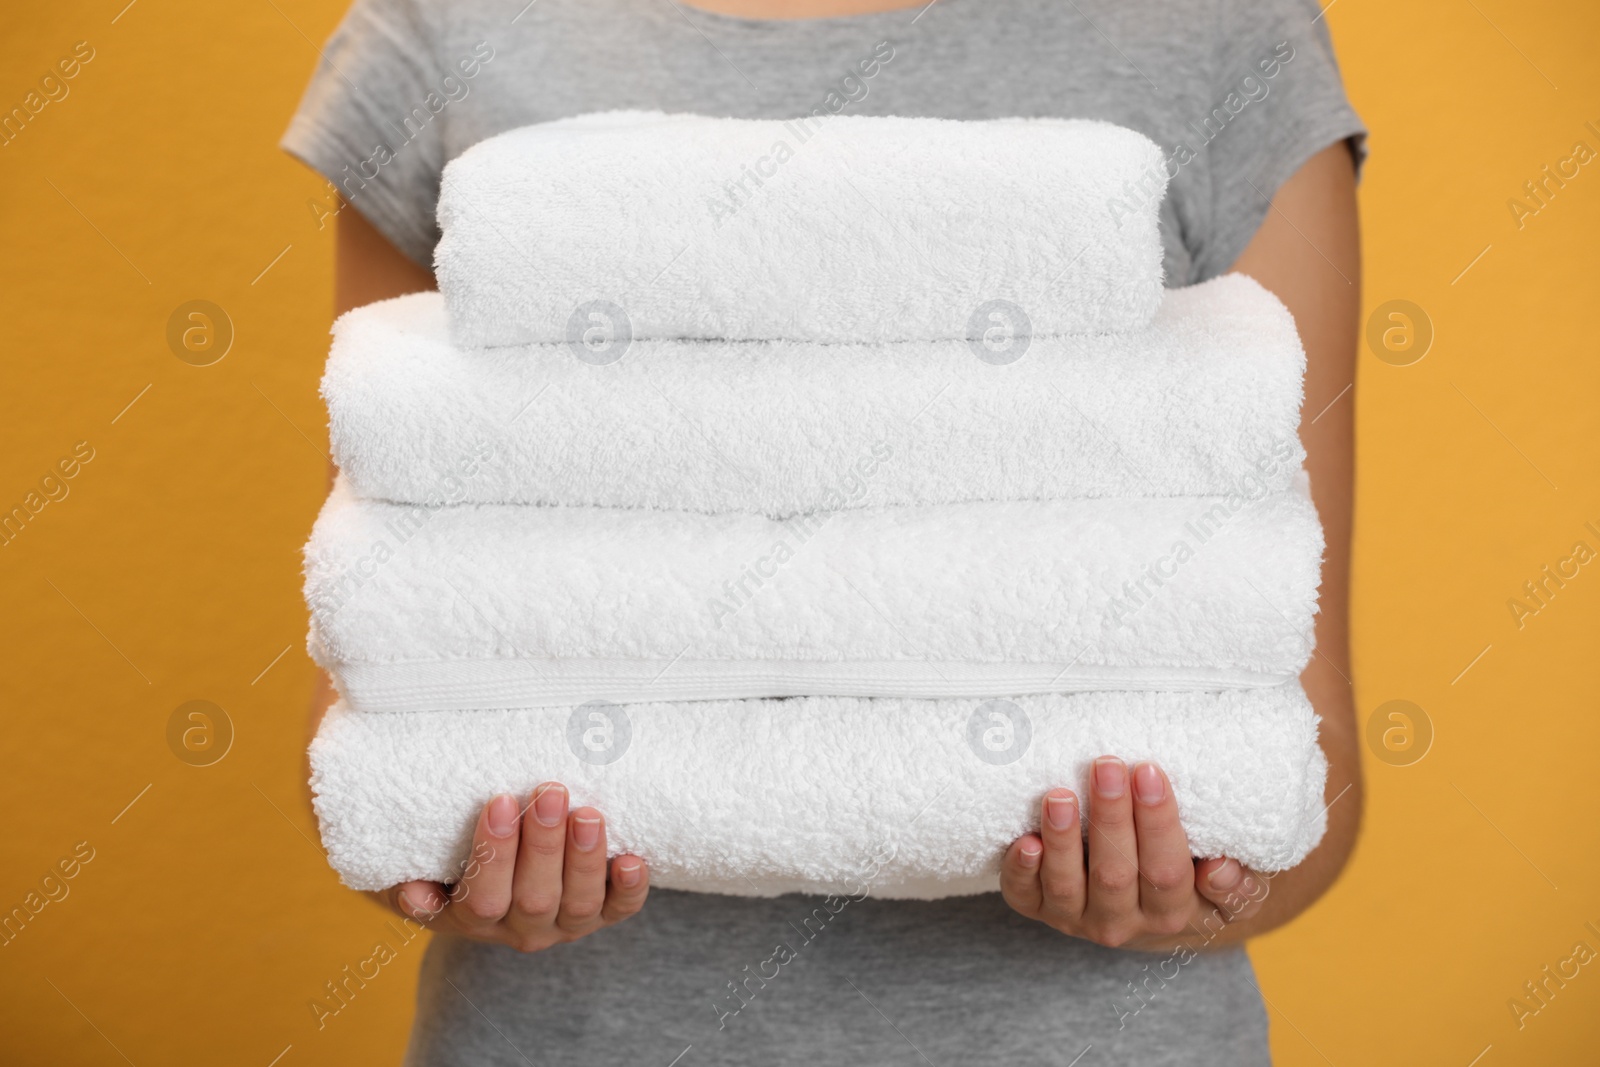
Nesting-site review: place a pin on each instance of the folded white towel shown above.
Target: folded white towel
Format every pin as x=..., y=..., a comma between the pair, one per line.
x=1205, y=400
x=503, y=606
x=895, y=797
x=851, y=229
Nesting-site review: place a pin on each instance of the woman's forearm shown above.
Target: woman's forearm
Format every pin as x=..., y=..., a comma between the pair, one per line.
x=1287, y=894
x=1307, y=252
x=367, y=267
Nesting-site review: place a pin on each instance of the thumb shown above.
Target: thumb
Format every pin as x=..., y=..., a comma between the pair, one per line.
x=1235, y=891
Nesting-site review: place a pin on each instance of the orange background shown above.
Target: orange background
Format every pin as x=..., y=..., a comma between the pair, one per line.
x=207, y=918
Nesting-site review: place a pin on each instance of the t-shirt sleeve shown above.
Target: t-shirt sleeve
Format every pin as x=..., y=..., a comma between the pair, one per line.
x=1275, y=59
x=366, y=124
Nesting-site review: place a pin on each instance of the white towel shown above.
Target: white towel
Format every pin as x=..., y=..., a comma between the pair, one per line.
x=853, y=229
x=896, y=798
x=495, y=606
x=1205, y=400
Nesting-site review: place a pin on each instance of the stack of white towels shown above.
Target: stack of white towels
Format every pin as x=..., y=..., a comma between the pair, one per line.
x=810, y=497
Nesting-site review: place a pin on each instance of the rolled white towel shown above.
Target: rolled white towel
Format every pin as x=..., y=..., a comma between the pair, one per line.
x=495, y=606
x=898, y=798
x=852, y=228
x=1205, y=400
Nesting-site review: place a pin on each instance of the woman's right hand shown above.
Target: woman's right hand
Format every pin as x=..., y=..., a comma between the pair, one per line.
x=536, y=878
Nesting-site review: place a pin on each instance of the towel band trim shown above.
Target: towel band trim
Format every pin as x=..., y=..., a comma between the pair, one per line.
x=466, y=684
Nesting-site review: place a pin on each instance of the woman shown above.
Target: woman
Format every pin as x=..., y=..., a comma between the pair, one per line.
x=547, y=956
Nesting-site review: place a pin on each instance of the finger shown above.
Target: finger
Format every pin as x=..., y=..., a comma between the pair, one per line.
x=483, y=895
x=421, y=902
x=1019, y=875
x=583, y=879
x=1061, y=875
x=1111, y=913
x=1230, y=891
x=536, y=889
x=630, y=882
x=1166, y=870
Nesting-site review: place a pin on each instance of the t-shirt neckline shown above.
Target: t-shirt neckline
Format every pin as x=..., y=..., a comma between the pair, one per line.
x=744, y=22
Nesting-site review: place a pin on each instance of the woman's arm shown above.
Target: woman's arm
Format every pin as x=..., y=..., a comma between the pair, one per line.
x=1133, y=885
x=1308, y=252
x=366, y=267
x=537, y=874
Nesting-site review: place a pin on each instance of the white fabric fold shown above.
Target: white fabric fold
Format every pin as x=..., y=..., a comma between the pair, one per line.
x=852, y=228
x=894, y=798
x=1206, y=400
x=472, y=606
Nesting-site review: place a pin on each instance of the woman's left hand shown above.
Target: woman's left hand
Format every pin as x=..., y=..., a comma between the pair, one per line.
x=1138, y=886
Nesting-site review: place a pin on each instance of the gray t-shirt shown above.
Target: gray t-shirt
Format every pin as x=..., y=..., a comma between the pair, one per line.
x=1239, y=94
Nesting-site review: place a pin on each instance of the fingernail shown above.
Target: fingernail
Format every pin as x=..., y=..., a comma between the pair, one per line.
x=1226, y=876
x=417, y=907
x=1147, y=784
x=1061, y=812
x=1030, y=854
x=502, y=816
x=585, y=832
x=627, y=874
x=549, y=804
x=1110, y=777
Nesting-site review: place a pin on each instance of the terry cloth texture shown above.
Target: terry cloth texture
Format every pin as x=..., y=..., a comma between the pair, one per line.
x=418, y=607
x=855, y=228
x=898, y=798
x=1206, y=400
